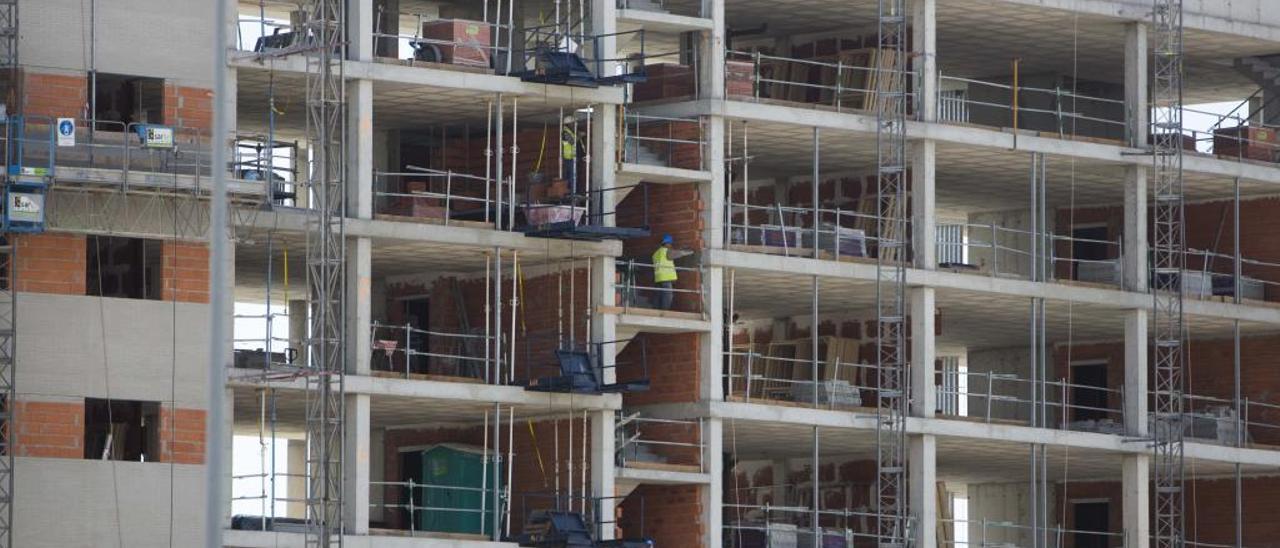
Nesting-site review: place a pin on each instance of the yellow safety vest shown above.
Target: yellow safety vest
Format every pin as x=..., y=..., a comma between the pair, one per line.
x=664, y=269
x=568, y=145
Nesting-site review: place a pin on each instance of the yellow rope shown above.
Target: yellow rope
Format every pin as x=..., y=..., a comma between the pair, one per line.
x=537, y=451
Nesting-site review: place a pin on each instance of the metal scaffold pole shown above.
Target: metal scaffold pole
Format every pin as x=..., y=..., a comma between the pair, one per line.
x=326, y=130
x=891, y=117
x=1169, y=265
x=8, y=289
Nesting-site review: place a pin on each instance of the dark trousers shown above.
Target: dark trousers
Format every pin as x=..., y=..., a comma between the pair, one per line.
x=665, y=295
x=571, y=175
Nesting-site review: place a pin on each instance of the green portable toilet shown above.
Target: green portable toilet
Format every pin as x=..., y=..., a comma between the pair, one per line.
x=444, y=467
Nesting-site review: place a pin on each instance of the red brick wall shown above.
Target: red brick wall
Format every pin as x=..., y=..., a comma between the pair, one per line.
x=182, y=435
x=1210, y=509
x=1210, y=364
x=675, y=210
x=1112, y=353
x=185, y=274
x=55, y=95
x=672, y=515
x=49, y=429
x=51, y=263
x=1095, y=491
x=674, y=372
x=188, y=107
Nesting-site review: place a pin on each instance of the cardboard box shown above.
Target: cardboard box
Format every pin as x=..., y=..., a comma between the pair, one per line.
x=461, y=42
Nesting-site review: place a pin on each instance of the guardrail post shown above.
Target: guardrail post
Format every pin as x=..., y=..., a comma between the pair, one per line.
x=995, y=251
x=989, y=381
x=408, y=347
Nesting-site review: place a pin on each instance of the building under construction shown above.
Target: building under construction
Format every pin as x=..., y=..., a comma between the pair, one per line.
x=940, y=273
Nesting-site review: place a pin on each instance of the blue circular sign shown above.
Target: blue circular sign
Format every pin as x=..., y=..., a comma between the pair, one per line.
x=66, y=127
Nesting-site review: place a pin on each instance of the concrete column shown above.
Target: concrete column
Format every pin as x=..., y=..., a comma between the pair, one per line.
x=1135, y=372
x=1135, y=83
x=355, y=463
x=713, y=194
x=604, y=327
x=358, y=308
x=1135, y=243
x=228, y=103
x=713, y=493
x=604, y=162
x=923, y=351
x=711, y=50
x=298, y=323
x=1135, y=500
x=922, y=460
x=924, y=208
x=296, y=485
x=360, y=16
x=360, y=149
x=924, y=33
x=604, y=20
x=711, y=345
x=602, y=467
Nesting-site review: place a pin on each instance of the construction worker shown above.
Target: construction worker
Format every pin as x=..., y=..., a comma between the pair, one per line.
x=569, y=154
x=664, y=271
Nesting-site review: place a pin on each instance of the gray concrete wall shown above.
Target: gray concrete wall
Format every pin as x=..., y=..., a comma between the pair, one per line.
x=157, y=38
x=68, y=502
x=62, y=352
x=1007, y=503
x=1011, y=258
x=1009, y=361
x=1038, y=102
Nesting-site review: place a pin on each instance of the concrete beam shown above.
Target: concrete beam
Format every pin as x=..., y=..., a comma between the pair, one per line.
x=479, y=83
x=440, y=390
x=664, y=22
x=1248, y=18
x=858, y=122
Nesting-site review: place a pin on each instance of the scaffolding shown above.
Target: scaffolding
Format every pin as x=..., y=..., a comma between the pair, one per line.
x=1169, y=268
x=8, y=292
x=891, y=400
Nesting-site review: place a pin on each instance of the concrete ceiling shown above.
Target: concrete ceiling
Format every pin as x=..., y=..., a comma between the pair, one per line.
x=970, y=178
x=970, y=319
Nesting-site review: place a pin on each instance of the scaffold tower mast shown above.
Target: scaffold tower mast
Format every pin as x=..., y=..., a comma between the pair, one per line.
x=1169, y=265
x=8, y=286
x=326, y=130
x=891, y=117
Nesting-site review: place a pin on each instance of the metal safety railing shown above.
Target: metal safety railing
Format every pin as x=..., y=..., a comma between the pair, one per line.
x=264, y=490
x=540, y=41
x=1055, y=110
x=751, y=375
x=747, y=525
x=408, y=350
x=1001, y=251
x=267, y=350
x=664, y=141
x=643, y=440
x=441, y=195
x=1227, y=422
x=840, y=233
x=1233, y=136
x=994, y=533
x=636, y=287
x=452, y=507
x=1210, y=274
x=103, y=151
x=842, y=86
x=994, y=396
x=590, y=208
x=461, y=42
x=259, y=159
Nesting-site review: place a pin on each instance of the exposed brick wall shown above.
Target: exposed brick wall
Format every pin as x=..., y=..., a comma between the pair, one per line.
x=1210, y=509
x=188, y=107
x=55, y=95
x=51, y=263
x=1112, y=353
x=49, y=429
x=182, y=435
x=674, y=209
x=1094, y=491
x=671, y=515
x=185, y=272
x=1211, y=366
x=674, y=372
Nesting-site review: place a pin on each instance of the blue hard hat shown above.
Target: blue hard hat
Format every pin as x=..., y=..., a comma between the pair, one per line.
x=666, y=239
